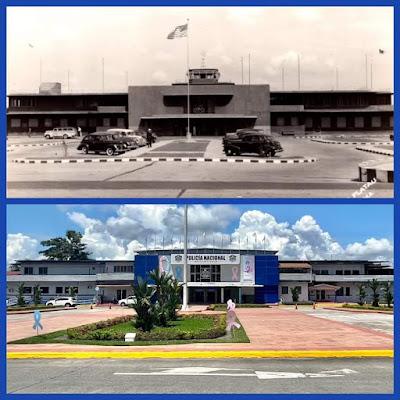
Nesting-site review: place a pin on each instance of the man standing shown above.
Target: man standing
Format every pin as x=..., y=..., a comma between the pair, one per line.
x=79, y=131
x=149, y=137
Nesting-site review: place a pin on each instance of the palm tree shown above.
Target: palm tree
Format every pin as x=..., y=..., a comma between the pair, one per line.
x=386, y=287
x=295, y=294
x=37, y=293
x=374, y=286
x=361, y=294
x=143, y=306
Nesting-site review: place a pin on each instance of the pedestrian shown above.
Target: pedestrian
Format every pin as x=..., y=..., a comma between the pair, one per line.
x=79, y=131
x=65, y=148
x=149, y=137
x=29, y=132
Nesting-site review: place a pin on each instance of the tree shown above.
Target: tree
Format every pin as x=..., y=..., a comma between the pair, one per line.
x=65, y=248
x=37, y=295
x=387, y=286
x=162, y=282
x=362, y=294
x=21, y=299
x=145, y=318
x=374, y=286
x=295, y=294
x=72, y=291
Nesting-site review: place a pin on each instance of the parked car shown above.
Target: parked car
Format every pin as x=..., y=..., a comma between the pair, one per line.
x=259, y=143
x=126, y=137
x=127, y=301
x=107, y=142
x=138, y=139
x=11, y=301
x=62, y=301
x=143, y=134
x=391, y=137
x=62, y=133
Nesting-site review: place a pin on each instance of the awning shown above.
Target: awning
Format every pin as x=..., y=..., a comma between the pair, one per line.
x=324, y=286
x=199, y=116
x=113, y=286
x=296, y=265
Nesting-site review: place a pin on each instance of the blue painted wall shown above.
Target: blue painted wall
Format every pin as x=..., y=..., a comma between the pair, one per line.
x=267, y=274
x=144, y=264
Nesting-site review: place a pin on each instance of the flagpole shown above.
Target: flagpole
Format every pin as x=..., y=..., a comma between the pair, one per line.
x=188, y=134
x=185, y=287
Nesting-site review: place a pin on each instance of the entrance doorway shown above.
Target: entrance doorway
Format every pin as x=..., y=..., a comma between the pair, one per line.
x=320, y=294
x=121, y=294
x=204, y=295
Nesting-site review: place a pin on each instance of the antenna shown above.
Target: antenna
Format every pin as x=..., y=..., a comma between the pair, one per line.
x=203, y=59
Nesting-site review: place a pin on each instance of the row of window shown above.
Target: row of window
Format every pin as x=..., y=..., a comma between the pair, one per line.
x=343, y=291
x=205, y=273
x=123, y=268
x=63, y=122
x=337, y=272
x=328, y=122
x=29, y=270
x=45, y=290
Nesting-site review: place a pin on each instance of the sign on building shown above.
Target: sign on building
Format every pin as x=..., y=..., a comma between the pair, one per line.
x=206, y=259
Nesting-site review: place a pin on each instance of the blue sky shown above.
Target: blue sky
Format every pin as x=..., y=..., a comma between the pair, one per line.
x=345, y=223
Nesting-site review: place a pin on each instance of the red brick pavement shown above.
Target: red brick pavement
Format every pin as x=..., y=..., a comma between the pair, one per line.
x=267, y=329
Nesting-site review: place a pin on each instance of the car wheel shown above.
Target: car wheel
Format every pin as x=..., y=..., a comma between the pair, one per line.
x=272, y=153
x=262, y=153
x=67, y=305
x=109, y=151
x=65, y=136
x=85, y=149
x=50, y=305
x=229, y=152
x=123, y=304
x=47, y=136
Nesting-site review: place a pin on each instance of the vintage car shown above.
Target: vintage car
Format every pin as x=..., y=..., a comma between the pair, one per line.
x=251, y=142
x=100, y=142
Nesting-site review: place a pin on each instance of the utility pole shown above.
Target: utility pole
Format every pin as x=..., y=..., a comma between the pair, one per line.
x=337, y=78
x=185, y=243
x=249, y=71
x=102, y=73
x=126, y=79
x=371, y=75
x=241, y=60
x=283, y=76
x=68, y=81
x=298, y=71
x=366, y=71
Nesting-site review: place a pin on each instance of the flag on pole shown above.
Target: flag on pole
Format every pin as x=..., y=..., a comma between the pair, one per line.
x=178, y=32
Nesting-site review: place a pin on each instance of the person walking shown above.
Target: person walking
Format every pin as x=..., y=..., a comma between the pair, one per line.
x=79, y=131
x=149, y=137
x=65, y=148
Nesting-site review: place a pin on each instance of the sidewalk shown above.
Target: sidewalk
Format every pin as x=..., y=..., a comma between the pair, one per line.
x=272, y=333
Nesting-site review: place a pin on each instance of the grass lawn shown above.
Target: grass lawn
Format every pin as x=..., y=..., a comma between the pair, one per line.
x=185, y=324
x=367, y=307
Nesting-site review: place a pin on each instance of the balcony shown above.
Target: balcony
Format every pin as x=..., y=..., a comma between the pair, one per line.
x=288, y=277
x=51, y=278
x=115, y=276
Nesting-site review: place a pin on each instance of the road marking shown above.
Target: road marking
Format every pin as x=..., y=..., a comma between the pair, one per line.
x=262, y=375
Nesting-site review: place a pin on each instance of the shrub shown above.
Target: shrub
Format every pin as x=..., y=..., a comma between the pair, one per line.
x=146, y=317
x=21, y=299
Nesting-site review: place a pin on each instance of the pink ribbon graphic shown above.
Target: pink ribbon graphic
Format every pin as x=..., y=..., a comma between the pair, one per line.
x=235, y=273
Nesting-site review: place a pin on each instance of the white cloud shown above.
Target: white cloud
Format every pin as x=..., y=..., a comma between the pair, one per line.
x=20, y=247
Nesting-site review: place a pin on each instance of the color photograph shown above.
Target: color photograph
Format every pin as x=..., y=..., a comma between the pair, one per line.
x=200, y=299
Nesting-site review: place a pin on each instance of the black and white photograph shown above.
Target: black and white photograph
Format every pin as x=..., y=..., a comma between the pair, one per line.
x=210, y=102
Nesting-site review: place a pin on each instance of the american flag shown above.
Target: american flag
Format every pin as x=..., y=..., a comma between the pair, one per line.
x=178, y=32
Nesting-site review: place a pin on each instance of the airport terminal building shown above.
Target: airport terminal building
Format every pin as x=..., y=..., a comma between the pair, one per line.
x=214, y=276
x=216, y=107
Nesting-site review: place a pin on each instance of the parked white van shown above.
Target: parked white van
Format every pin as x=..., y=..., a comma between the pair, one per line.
x=63, y=133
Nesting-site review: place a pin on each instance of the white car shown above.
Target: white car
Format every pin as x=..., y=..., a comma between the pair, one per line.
x=139, y=140
x=62, y=133
x=12, y=301
x=62, y=301
x=127, y=301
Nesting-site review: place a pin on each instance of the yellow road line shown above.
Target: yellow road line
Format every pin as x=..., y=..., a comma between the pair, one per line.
x=206, y=354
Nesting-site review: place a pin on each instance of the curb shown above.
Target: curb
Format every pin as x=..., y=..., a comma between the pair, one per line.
x=206, y=354
x=35, y=144
x=166, y=159
x=353, y=143
x=354, y=310
x=42, y=311
x=382, y=152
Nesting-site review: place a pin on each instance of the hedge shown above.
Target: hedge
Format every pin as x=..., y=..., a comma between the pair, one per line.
x=96, y=331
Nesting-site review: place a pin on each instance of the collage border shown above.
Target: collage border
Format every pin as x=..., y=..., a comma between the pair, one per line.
x=201, y=3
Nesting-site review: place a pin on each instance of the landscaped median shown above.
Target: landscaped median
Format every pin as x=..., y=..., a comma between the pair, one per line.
x=192, y=328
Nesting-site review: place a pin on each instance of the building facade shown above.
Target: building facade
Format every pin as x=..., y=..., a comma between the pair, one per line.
x=214, y=276
x=216, y=107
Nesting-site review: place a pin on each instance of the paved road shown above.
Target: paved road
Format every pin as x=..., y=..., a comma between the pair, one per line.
x=334, y=174
x=375, y=321
x=201, y=376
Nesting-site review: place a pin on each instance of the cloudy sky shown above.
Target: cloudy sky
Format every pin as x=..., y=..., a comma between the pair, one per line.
x=297, y=231
x=132, y=41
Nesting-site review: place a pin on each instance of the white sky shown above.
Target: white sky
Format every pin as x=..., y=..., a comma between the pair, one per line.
x=133, y=39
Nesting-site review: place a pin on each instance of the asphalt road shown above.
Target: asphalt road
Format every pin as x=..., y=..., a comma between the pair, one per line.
x=200, y=376
x=334, y=174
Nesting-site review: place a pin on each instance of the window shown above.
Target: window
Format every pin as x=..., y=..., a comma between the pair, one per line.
x=106, y=122
x=341, y=122
x=66, y=289
x=28, y=271
x=120, y=123
x=284, y=290
x=347, y=272
x=27, y=290
x=15, y=123
x=376, y=122
x=325, y=122
x=356, y=272
x=48, y=122
x=59, y=290
x=63, y=122
x=42, y=270
x=123, y=268
x=44, y=289
x=348, y=291
x=339, y=292
x=294, y=121
x=359, y=122
x=339, y=272
x=33, y=122
x=280, y=121
x=324, y=272
x=205, y=273
x=298, y=289
x=81, y=122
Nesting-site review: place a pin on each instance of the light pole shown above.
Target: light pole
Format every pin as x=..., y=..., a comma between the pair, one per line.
x=185, y=242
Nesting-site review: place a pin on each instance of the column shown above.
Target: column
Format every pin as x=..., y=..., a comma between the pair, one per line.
x=222, y=295
x=240, y=295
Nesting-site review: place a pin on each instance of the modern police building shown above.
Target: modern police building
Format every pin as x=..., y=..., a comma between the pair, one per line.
x=213, y=275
